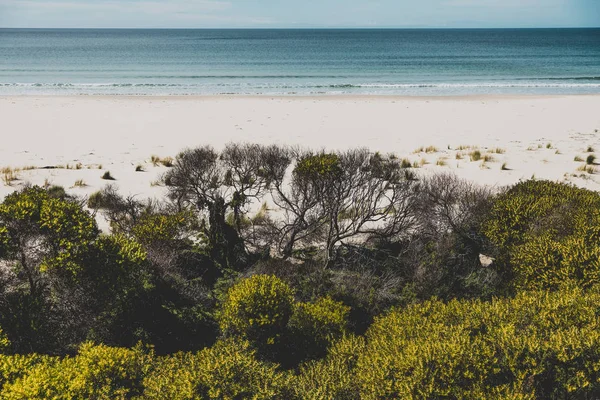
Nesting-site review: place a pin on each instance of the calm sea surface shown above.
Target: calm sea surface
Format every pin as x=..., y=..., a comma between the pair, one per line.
x=288, y=62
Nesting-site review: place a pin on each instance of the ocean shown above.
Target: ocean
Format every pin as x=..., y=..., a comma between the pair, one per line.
x=299, y=62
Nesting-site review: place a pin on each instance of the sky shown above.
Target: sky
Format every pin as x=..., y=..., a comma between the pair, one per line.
x=298, y=13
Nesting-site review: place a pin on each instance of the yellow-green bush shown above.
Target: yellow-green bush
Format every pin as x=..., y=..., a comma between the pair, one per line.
x=229, y=370
x=537, y=345
x=257, y=308
x=4, y=240
x=15, y=366
x=332, y=378
x=97, y=372
x=4, y=343
x=153, y=228
x=58, y=229
x=313, y=326
x=544, y=233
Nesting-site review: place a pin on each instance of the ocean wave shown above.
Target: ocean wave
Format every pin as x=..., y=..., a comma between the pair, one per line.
x=292, y=88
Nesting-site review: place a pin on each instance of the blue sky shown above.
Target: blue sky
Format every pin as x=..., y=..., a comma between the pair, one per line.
x=298, y=13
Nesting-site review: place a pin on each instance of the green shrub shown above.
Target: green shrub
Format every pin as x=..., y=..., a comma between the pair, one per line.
x=107, y=176
x=229, y=370
x=13, y=367
x=257, y=308
x=39, y=226
x=334, y=376
x=591, y=159
x=97, y=372
x=314, y=326
x=537, y=345
x=153, y=228
x=4, y=343
x=543, y=233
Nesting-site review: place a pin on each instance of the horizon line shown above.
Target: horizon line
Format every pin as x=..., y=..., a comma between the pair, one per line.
x=304, y=28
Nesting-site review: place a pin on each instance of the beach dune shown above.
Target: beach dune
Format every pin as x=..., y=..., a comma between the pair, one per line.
x=537, y=136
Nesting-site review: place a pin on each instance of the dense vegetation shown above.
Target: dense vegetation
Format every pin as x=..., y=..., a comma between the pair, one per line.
x=278, y=273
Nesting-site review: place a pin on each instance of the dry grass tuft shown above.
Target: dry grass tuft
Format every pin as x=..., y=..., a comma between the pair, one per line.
x=9, y=175
x=475, y=155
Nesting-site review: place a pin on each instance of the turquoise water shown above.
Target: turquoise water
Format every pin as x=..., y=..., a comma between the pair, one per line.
x=305, y=62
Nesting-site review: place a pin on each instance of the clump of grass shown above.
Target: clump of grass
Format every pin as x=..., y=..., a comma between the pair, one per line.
x=587, y=168
x=107, y=176
x=488, y=158
x=498, y=150
x=484, y=165
x=155, y=183
x=466, y=147
x=557, y=152
x=422, y=162
x=9, y=175
x=155, y=160
x=80, y=183
x=29, y=168
x=167, y=162
x=475, y=155
x=431, y=149
x=441, y=162
x=504, y=167
x=531, y=148
x=549, y=145
x=416, y=164
x=539, y=146
x=405, y=163
x=590, y=149
x=78, y=166
x=590, y=160
x=139, y=168
x=459, y=156
x=99, y=166
x=578, y=159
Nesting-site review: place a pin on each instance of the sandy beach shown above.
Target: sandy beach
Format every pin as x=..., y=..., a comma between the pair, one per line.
x=81, y=137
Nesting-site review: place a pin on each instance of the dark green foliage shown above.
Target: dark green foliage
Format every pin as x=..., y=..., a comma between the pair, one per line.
x=107, y=176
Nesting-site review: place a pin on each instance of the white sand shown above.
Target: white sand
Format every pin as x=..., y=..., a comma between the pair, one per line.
x=119, y=133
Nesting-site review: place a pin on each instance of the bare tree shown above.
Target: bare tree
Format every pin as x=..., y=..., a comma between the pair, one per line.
x=218, y=184
x=334, y=197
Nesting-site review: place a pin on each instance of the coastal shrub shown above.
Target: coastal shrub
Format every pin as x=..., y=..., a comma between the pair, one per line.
x=13, y=367
x=43, y=234
x=257, y=308
x=107, y=176
x=154, y=228
x=591, y=159
x=228, y=370
x=333, y=377
x=4, y=342
x=314, y=326
x=97, y=372
x=538, y=345
x=542, y=233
